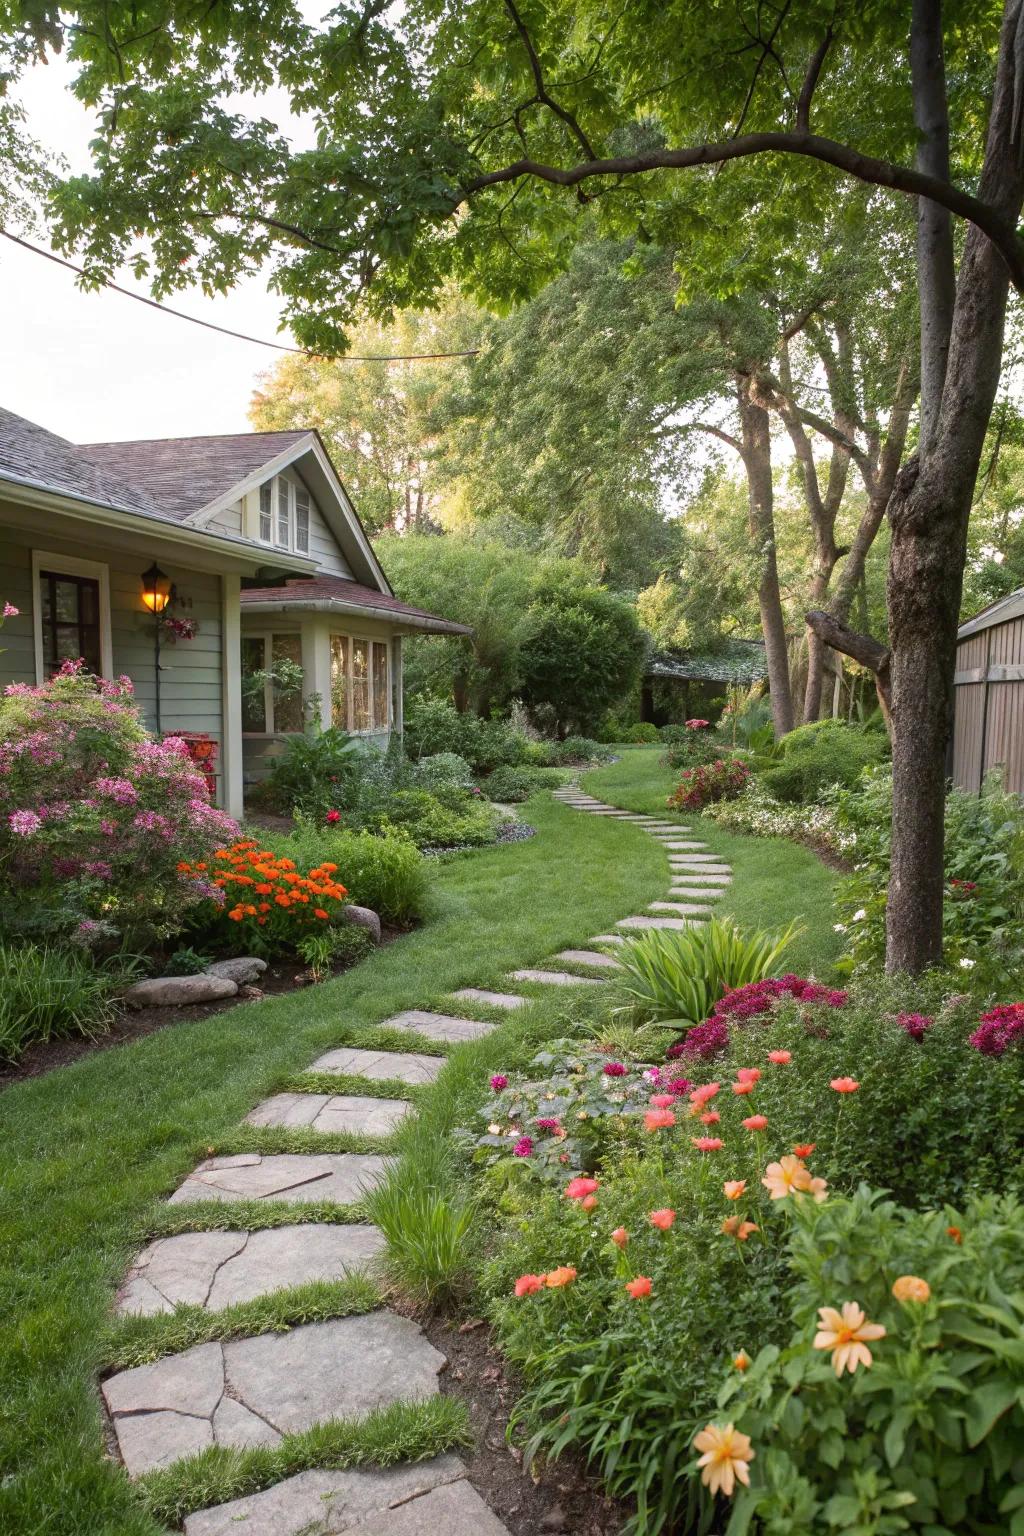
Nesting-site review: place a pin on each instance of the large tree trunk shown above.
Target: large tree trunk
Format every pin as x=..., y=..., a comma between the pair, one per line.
x=756, y=441
x=929, y=514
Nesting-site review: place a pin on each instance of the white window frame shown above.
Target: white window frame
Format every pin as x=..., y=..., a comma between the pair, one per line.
x=266, y=638
x=70, y=565
x=371, y=640
x=296, y=499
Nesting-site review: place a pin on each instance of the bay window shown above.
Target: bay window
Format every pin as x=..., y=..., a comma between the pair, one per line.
x=360, y=684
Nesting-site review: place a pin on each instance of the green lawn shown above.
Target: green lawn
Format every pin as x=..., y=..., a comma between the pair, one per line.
x=89, y=1150
x=774, y=880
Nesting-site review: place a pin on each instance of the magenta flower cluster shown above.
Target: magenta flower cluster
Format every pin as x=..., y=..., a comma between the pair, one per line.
x=999, y=1029
x=756, y=999
x=916, y=1025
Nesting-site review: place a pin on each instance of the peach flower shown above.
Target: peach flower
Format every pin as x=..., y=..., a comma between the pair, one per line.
x=726, y=1458
x=847, y=1334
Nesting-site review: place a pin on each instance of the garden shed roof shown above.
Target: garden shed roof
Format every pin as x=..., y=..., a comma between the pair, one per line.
x=1000, y=612
x=736, y=661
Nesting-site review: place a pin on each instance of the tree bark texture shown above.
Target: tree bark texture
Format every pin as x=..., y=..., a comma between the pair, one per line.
x=755, y=438
x=935, y=263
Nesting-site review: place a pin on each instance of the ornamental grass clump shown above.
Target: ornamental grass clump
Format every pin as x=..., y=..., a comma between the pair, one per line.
x=676, y=977
x=97, y=818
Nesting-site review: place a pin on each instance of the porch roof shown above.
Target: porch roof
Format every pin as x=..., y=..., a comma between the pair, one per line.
x=335, y=594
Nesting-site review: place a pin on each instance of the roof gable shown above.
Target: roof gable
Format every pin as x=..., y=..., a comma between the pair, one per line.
x=184, y=475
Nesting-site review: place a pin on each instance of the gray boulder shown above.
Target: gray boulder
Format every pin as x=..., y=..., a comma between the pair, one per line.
x=179, y=991
x=363, y=917
x=243, y=970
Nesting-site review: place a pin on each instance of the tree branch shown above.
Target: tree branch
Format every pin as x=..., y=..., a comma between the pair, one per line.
x=880, y=173
x=542, y=91
x=868, y=652
x=803, y=106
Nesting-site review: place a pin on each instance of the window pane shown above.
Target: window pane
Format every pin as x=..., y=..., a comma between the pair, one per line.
x=266, y=512
x=360, y=685
x=301, y=520
x=70, y=613
x=380, y=686
x=283, y=525
x=254, y=707
x=288, y=712
x=67, y=600
x=339, y=681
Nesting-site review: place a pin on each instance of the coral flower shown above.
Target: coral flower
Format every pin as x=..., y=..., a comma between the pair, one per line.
x=780, y=1058
x=743, y=1087
x=563, y=1275
x=710, y=1117
x=707, y=1143
x=701, y=1096
x=755, y=1123
x=620, y=1237
x=748, y=1074
x=734, y=1188
x=589, y=1201
x=527, y=1284
x=804, y=1148
x=659, y=1119
x=844, y=1084
x=663, y=1100
x=741, y=1361
x=911, y=1288
x=847, y=1334
x=578, y=1189
x=726, y=1458
x=735, y=1226
x=955, y=1234
x=639, y=1288
x=662, y=1219
x=818, y=1188
x=785, y=1176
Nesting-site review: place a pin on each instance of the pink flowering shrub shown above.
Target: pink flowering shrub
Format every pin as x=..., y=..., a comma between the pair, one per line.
x=999, y=1029
x=95, y=815
x=723, y=779
x=758, y=1000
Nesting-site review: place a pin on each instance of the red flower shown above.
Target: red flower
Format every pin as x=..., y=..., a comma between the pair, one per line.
x=756, y=1123
x=662, y=1219
x=804, y=1148
x=659, y=1119
x=844, y=1084
x=780, y=1058
x=710, y=1117
x=526, y=1285
x=333, y=816
x=639, y=1288
x=620, y=1237
x=663, y=1100
x=579, y=1189
x=707, y=1143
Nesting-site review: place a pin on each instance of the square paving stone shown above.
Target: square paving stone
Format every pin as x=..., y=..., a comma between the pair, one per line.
x=288, y=1176
x=325, y=1503
x=357, y=1113
x=438, y=1026
x=507, y=1000
x=556, y=978
x=216, y=1269
x=252, y=1391
x=402, y=1066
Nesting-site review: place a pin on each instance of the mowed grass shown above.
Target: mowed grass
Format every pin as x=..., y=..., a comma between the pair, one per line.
x=88, y=1149
x=774, y=880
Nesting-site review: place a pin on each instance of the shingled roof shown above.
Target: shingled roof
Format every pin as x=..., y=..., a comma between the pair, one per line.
x=32, y=455
x=326, y=592
x=184, y=474
x=736, y=661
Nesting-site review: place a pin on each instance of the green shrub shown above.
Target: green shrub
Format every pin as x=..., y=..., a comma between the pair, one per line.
x=928, y=1438
x=334, y=948
x=312, y=772
x=816, y=756
x=386, y=872
x=642, y=733
x=449, y=818
x=693, y=748
x=675, y=977
x=51, y=994
x=434, y=727
x=443, y=768
x=671, y=735
x=512, y=785
x=724, y=779
x=579, y=751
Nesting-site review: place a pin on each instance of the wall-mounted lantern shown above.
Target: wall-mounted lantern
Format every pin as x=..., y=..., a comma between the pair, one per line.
x=156, y=589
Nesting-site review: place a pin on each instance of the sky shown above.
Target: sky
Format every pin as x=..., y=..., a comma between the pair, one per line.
x=100, y=367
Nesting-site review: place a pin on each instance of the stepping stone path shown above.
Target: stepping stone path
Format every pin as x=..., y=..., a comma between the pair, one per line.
x=252, y=1391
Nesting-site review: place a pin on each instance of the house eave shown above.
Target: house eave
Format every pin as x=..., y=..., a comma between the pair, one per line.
x=399, y=621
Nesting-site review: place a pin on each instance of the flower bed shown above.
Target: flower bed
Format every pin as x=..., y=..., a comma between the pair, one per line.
x=267, y=906
x=723, y=779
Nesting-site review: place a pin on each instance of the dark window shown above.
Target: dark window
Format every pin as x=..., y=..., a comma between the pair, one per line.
x=70, y=608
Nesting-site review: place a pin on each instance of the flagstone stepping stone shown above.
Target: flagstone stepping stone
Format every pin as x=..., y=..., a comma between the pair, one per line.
x=456, y=1509
x=356, y=1113
x=592, y=957
x=331, y=1503
x=682, y=908
x=607, y=938
x=654, y=922
x=702, y=858
x=216, y=1269
x=703, y=876
x=557, y=978
x=701, y=892
x=253, y=1391
x=287, y=1176
x=438, y=1026
x=676, y=846
x=493, y=999
x=701, y=869
x=403, y=1066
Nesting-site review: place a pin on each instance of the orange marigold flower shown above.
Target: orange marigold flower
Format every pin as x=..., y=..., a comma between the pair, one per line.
x=320, y=913
x=735, y=1226
x=264, y=888
x=263, y=906
x=734, y=1188
x=620, y=1237
x=755, y=1123
x=741, y=1361
x=662, y=1219
x=183, y=866
x=804, y=1148
x=844, y=1084
x=726, y=1459
x=286, y=863
x=526, y=1285
x=563, y=1275
x=639, y=1288
x=911, y=1288
x=955, y=1233
x=236, y=917
x=659, y=1119
x=847, y=1334
x=282, y=900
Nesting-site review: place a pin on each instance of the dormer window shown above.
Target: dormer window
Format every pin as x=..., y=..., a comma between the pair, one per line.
x=284, y=515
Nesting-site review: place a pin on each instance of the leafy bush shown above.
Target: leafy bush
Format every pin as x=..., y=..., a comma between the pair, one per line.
x=675, y=977
x=50, y=994
x=333, y=948
x=756, y=812
x=579, y=751
x=816, y=756
x=512, y=784
x=672, y=735
x=433, y=727
x=384, y=871
x=694, y=747
x=443, y=768
x=267, y=906
x=99, y=824
x=983, y=909
x=585, y=649
x=643, y=733
x=927, y=1437
x=723, y=779
x=313, y=772
x=449, y=818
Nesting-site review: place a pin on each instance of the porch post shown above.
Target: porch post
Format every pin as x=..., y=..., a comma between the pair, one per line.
x=397, y=689
x=231, y=784
x=316, y=667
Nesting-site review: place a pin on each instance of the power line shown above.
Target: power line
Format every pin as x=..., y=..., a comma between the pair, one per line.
x=223, y=330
